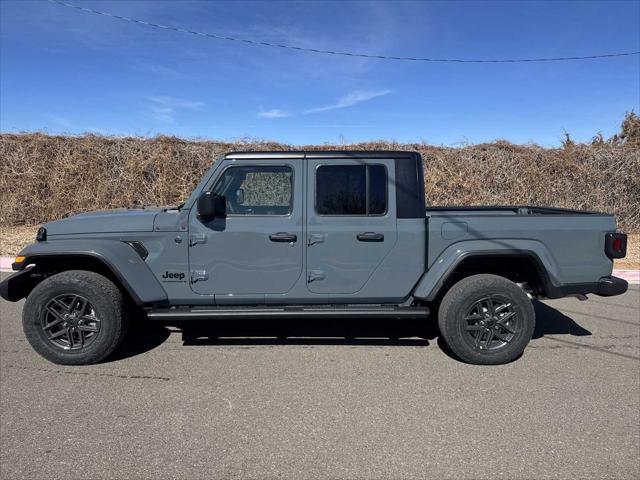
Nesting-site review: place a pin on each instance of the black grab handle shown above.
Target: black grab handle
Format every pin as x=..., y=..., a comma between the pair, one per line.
x=370, y=237
x=283, y=237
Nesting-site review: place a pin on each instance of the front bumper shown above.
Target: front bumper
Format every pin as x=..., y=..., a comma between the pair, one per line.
x=4, y=289
x=17, y=286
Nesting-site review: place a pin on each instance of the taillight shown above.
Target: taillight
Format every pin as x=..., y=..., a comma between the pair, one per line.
x=615, y=245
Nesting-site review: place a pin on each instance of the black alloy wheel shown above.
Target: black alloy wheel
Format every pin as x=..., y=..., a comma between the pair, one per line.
x=70, y=322
x=491, y=323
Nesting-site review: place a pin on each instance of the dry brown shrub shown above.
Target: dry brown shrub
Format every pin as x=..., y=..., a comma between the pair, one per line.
x=43, y=177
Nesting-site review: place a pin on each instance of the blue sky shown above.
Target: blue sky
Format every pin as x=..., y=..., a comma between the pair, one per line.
x=64, y=71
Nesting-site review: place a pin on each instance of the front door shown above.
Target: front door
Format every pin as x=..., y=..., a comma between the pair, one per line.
x=351, y=223
x=257, y=248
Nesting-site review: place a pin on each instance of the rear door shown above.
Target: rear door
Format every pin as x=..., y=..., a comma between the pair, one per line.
x=351, y=224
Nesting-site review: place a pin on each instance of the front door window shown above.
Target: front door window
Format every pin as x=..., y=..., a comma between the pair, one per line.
x=259, y=190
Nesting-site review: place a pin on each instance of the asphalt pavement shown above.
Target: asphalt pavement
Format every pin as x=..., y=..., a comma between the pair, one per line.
x=330, y=399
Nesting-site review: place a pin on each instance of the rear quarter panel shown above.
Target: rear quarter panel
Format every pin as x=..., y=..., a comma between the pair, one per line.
x=570, y=246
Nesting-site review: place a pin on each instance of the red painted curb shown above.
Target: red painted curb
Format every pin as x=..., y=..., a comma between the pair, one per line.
x=5, y=264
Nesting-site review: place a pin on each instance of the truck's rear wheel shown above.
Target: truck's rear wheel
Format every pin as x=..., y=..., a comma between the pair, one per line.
x=75, y=318
x=486, y=320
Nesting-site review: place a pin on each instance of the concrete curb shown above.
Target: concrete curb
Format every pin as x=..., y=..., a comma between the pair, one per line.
x=631, y=276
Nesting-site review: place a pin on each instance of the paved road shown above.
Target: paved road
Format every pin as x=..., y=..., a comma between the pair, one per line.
x=348, y=402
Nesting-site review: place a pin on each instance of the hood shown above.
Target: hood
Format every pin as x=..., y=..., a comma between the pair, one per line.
x=106, y=221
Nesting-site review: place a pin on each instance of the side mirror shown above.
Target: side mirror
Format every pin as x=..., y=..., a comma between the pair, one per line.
x=211, y=206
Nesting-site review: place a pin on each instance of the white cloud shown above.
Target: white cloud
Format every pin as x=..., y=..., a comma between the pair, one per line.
x=351, y=99
x=61, y=121
x=274, y=113
x=164, y=114
x=158, y=69
x=164, y=107
x=173, y=102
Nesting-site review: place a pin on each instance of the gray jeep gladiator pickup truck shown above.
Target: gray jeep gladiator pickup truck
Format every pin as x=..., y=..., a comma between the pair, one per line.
x=310, y=234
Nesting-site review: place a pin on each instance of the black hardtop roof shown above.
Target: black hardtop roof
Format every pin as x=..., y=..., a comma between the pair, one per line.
x=324, y=153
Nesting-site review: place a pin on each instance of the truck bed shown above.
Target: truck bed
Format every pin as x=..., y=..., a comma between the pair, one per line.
x=569, y=242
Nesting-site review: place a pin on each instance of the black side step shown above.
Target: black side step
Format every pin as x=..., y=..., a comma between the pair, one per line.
x=240, y=313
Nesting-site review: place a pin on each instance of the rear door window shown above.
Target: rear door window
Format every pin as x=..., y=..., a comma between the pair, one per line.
x=352, y=190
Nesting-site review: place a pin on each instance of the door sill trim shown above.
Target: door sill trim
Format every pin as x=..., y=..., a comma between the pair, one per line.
x=222, y=313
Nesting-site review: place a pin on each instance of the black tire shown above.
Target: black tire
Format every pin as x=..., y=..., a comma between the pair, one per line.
x=94, y=335
x=486, y=320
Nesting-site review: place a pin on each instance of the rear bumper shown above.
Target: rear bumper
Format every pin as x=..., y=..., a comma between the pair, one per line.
x=605, y=287
x=610, y=286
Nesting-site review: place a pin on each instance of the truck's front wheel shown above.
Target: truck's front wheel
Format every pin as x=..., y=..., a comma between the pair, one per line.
x=486, y=319
x=75, y=318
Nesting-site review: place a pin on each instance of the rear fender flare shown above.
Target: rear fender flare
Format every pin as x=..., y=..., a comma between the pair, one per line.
x=435, y=277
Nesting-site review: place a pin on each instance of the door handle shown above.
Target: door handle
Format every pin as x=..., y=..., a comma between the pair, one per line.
x=283, y=237
x=370, y=237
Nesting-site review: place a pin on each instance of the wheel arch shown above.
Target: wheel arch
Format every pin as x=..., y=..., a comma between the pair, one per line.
x=46, y=265
x=519, y=266
x=115, y=260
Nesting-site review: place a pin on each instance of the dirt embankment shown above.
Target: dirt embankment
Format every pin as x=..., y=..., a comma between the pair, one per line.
x=45, y=177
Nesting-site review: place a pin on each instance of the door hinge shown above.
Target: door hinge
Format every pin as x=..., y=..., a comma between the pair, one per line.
x=199, y=275
x=315, y=275
x=316, y=238
x=197, y=238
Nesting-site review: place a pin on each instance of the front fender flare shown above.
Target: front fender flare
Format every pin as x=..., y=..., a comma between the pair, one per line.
x=120, y=258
